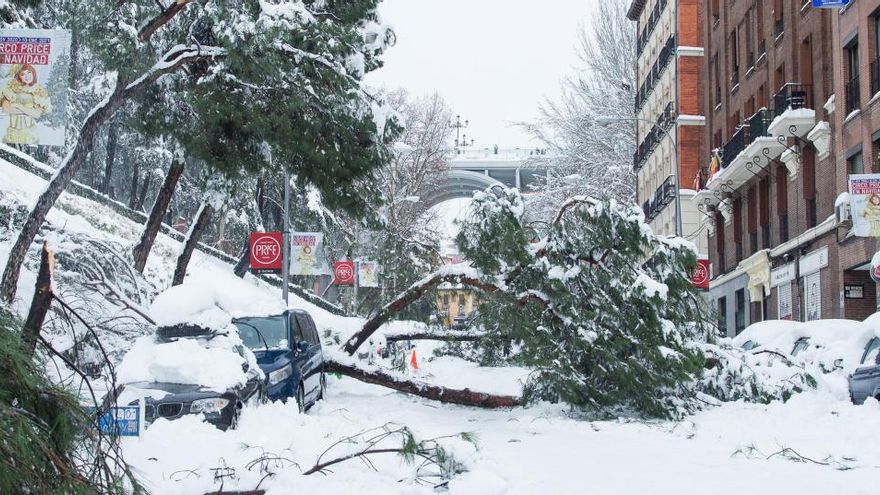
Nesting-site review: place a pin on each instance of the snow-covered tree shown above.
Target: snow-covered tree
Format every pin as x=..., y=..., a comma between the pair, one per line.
x=585, y=158
x=601, y=308
x=280, y=73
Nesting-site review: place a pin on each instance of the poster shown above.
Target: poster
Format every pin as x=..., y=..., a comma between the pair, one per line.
x=368, y=274
x=813, y=297
x=307, y=254
x=34, y=68
x=864, y=200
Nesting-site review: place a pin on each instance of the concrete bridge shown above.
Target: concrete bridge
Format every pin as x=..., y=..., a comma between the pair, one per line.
x=475, y=170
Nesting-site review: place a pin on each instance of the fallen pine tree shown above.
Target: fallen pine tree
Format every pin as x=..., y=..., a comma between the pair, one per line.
x=465, y=397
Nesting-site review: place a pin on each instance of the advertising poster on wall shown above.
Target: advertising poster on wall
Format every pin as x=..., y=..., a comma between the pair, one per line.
x=864, y=198
x=307, y=254
x=368, y=274
x=34, y=67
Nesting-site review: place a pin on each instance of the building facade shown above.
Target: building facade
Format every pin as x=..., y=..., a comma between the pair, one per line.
x=669, y=101
x=778, y=113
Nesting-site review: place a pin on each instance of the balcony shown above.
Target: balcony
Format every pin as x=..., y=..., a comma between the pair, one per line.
x=751, y=148
x=792, y=107
x=653, y=20
x=779, y=27
x=653, y=76
x=762, y=52
x=734, y=79
x=664, y=195
x=853, y=91
x=654, y=137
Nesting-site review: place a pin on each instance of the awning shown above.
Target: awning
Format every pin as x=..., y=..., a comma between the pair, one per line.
x=757, y=267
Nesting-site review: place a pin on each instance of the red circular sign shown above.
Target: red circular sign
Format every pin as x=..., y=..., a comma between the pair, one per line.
x=265, y=250
x=700, y=277
x=875, y=273
x=343, y=273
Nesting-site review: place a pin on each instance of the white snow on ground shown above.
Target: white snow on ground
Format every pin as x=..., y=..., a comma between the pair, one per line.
x=730, y=449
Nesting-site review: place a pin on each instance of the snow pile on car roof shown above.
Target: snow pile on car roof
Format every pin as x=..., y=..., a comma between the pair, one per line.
x=212, y=363
x=210, y=303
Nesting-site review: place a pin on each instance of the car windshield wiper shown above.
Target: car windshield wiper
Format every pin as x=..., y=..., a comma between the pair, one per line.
x=259, y=333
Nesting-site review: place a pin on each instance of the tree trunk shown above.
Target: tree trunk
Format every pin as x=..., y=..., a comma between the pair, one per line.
x=145, y=187
x=192, y=239
x=41, y=302
x=464, y=397
x=123, y=92
x=111, y=158
x=244, y=260
x=451, y=336
x=160, y=206
x=133, y=188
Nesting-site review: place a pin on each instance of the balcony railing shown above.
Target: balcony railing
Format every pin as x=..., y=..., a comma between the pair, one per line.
x=735, y=146
x=664, y=195
x=762, y=48
x=792, y=95
x=759, y=124
x=653, y=20
x=654, y=136
x=653, y=76
x=734, y=78
x=875, y=76
x=853, y=91
x=779, y=27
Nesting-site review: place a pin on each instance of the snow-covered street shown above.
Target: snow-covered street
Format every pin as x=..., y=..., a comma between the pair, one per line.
x=531, y=450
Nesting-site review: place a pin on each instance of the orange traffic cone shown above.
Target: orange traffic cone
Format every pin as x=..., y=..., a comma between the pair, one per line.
x=413, y=361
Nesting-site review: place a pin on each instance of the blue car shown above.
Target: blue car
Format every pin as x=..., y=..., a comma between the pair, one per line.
x=288, y=351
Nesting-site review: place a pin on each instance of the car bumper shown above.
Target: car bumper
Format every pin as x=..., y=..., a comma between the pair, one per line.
x=222, y=420
x=279, y=391
x=862, y=388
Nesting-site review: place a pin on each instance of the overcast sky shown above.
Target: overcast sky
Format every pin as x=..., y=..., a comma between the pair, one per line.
x=492, y=60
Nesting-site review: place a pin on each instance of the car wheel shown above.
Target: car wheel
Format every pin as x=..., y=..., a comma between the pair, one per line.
x=301, y=398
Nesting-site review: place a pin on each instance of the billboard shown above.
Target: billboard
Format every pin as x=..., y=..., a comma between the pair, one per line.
x=864, y=200
x=34, y=67
x=368, y=274
x=307, y=254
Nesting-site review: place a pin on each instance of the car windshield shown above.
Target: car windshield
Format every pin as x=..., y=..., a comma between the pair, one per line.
x=871, y=351
x=271, y=328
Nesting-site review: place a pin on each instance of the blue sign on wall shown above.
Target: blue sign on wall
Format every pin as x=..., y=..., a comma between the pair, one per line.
x=123, y=421
x=830, y=4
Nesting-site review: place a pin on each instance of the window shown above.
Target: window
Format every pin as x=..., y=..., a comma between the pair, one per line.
x=778, y=18
x=719, y=243
x=764, y=203
x=722, y=314
x=740, y=315
x=782, y=202
x=737, y=228
x=752, y=218
x=856, y=164
x=783, y=301
x=808, y=157
x=716, y=11
x=872, y=352
x=852, y=86
x=310, y=333
x=716, y=70
x=446, y=300
x=734, y=59
x=297, y=329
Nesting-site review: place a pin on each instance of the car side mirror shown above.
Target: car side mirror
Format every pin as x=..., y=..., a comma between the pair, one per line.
x=302, y=346
x=838, y=363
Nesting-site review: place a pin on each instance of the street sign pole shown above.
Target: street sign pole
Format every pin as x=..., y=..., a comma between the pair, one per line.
x=285, y=249
x=356, y=283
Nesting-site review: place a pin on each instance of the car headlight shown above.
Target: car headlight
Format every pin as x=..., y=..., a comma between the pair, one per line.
x=208, y=406
x=279, y=376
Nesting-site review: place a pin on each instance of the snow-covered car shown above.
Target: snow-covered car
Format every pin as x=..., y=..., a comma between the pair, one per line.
x=288, y=350
x=196, y=362
x=192, y=370
x=864, y=382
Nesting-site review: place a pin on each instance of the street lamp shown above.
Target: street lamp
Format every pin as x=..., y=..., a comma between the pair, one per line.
x=604, y=121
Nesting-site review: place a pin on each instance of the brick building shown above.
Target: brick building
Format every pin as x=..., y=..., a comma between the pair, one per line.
x=670, y=60
x=779, y=246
